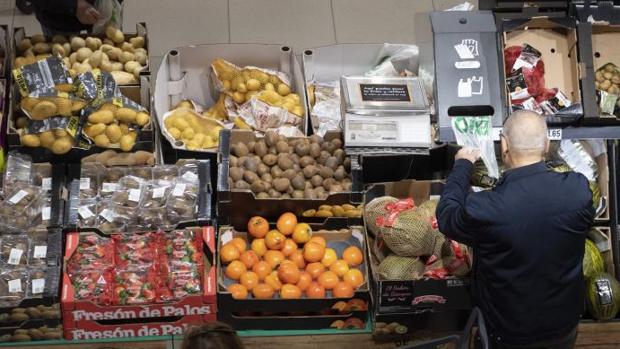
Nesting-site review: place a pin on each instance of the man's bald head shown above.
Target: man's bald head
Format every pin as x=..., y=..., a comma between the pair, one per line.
x=526, y=133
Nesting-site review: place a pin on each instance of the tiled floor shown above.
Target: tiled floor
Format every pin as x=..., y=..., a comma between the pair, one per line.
x=298, y=23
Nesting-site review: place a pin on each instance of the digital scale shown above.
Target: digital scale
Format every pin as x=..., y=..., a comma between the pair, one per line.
x=385, y=114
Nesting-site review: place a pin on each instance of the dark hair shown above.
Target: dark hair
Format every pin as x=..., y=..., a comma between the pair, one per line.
x=213, y=335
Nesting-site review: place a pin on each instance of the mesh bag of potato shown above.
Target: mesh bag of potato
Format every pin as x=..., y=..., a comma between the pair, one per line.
x=395, y=267
x=186, y=129
x=608, y=86
x=56, y=134
x=41, y=105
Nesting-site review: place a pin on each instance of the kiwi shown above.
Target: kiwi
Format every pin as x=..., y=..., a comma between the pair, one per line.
x=260, y=148
x=315, y=150
x=335, y=144
x=267, y=177
x=294, y=158
x=298, y=194
x=250, y=176
x=281, y=184
x=302, y=149
x=259, y=186
x=241, y=184
x=284, y=162
x=263, y=195
x=309, y=194
x=262, y=169
x=340, y=173
x=276, y=172
x=271, y=138
x=240, y=149
x=236, y=173
x=306, y=161
x=270, y=159
x=290, y=174
x=327, y=183
x=325, y=146
x=282, y=147
x=298, y=182
x=233, y=161
x=323, y=157
x=274, y=193
x=316, y=139
x=332, y=162
x=250, y=164
x=310, y=171
x=326, y=172
x=317, y=181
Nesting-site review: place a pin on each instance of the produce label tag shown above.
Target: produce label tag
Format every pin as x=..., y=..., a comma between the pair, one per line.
x=38, y=286
x=46, y=183
x=226, y=237
x=18, y=196
x=356, y=234
x=109, y=187
x=179, y=189
x=46, y=213
x=15, y=255
x=84, y=183
x=108, y=215
x=159, y=192
x=134, y=195
x=15, y=286
x=40, y=251
x=85, y=212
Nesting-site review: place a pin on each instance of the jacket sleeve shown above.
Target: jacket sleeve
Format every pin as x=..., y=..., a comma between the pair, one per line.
x=452, y=216
x=57, y=6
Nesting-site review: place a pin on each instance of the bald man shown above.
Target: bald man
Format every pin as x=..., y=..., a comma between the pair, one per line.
x=528, y=236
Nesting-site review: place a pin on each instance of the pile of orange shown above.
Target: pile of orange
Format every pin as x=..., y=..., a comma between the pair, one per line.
x=289, y=261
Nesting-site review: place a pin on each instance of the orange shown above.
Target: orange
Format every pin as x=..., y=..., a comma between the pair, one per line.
x=229, y=253
x=263, y=291
x=340, y=267
x=302, y=233
x=249, y=258
x=319, y=240
x=328, y=280
x=354, y=277
x=274, y=240
x=259, y=247
x=273, y=281
x=315, y=269
x=258, y=227
x=286, y=223
x=249, y=279
x=342, y=290
x=314, y=290
x=239, y=243
x=297, y=257
x=289, y=247
x=262, y=269
x=353, y=256
x=238, y=291
x=288, y=273
x=329, y=257
x=290, y=292
x=304, y=280
x=274, y=258
x=313, y=252
x=235, y=269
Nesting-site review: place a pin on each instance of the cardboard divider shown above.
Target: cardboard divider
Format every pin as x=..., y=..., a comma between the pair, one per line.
x=602, y=237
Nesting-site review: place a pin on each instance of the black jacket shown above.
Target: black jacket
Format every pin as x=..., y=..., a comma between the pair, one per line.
x=528, y=236
x=59, y=15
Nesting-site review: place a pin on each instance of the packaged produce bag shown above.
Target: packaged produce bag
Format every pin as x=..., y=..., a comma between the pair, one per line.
x=57, y=134
x=608, y=86
x=186, y=129
x=475, y=132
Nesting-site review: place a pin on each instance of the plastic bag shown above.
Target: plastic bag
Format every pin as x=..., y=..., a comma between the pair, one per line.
x=327, y=106
x=396, y=60
x=476, y=132
x=111, y=12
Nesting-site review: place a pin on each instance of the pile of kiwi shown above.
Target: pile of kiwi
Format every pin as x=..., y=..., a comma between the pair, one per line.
x=297, y=168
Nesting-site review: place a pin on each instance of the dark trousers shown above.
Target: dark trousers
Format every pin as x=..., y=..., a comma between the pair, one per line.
x=566, y=342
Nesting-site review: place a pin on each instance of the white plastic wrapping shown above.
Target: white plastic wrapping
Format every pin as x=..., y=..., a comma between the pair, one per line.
x=476, y=132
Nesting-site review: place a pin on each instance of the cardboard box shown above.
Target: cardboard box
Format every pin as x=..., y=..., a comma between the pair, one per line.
x=403, y=327
x=296, y=314
x=414, y=296
x=33, y=329
x=88, y=316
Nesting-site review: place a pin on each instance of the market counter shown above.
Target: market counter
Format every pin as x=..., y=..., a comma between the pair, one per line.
x=591, y=335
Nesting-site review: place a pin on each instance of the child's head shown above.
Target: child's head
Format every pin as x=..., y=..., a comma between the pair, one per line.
x=215, y=335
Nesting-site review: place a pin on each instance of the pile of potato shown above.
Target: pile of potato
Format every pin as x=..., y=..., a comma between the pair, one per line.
x=123, y=59
x=194, y=130
x=46, y=107
x=58, y=141
x=298, y=168
x=110, y=126
x=325, y=211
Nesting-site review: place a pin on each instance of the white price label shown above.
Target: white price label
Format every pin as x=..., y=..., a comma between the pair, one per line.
x=46, y=183
x=159, y=192
x=134, y=195
x=46, y=213
x=38, y=286
x=554, y=134
x=226, y=237
x=108, y=215
x=190, y=176
x=84, y=183
x=18, y=197
x=40, y=251
x=179, y=189
x=15, y=286
x=85, y=212
x=15, y=255
x=109, y=187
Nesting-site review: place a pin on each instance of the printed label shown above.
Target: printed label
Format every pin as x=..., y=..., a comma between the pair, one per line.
x=109, y=187
x=15, y=286
x=134, y=195
x=84, y=183
x=38, y=286
x=108, y=215
x=46, y=183
x=15, y=255
x=46, y=213
x=18, y=197
x=40, y=251
x=179, y=189
x=159, y=192
x=385, y=93
x=85, y=212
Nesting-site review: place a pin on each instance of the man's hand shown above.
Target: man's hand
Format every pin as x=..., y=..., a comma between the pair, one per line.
x=86, y=13
x=470, y=154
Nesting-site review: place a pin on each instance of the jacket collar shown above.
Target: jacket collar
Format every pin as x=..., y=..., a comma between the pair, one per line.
x=520, y=172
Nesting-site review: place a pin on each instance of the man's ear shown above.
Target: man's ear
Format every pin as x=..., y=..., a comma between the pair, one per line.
x=504, y=145
x=547, y=144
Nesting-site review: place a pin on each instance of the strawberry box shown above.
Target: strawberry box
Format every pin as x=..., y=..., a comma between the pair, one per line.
x=124, y=282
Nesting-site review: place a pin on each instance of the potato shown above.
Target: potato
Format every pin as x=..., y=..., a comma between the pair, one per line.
x=117, y=67
x=21, y=122
x=123, y=78
x=607, y=74
x=259, y=186
x=47, y=139
x=290, y=174
x=127, y=47
x=82, y=68
x=57, y=49
x=316, y=181
x=130, y=66
x=30, y=140
x=142, y=118
x=41, y=47
x=138, y=41
x=20, y=62
x=284, y=162
x=238, y=97
x=93, y=43
x=96, y=59
x=298, y=182
x=101, y=116
x=127, y=142
x=142, y=58
x=281, y=184
x=24, y=45
x=114, y=34
x=43, y=110
x=62, y=145
x=27, y=103
x=126, y=57
x=236, y=173
x=253, y=85
x=64, y=106
x=76, y=106
x=283, y=89
x=73, y=58
x=605, y=85
x=95, y=130
x=37, y=38
x=114, y=133
x=77, y=43
x=270, y=159
x=59, y=39
x=102, y=141
x=114, y=53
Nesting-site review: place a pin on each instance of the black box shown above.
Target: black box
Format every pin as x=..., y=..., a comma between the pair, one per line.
x=405, y=327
